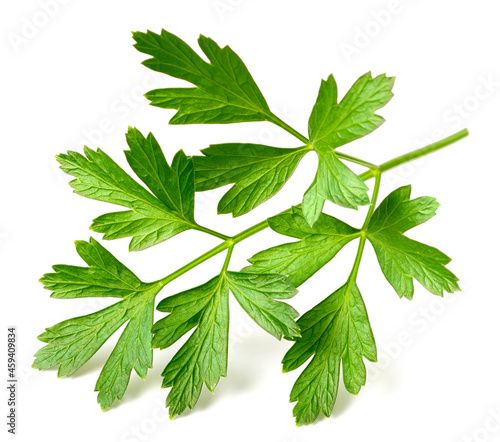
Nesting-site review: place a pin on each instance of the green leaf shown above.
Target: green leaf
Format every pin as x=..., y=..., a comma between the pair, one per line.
x=332, y=125
x=185, y=310
x=105, y=276
x=133, y=351
x=300, y=260
x=335, y=182
x=225, y=91
x=71, y=343
x=150, y=220
x=258, y=172
x=147, y=228
x=257, y=295
x=334, y=331
x=173, y=186
x=401, y=258
x=203, y=358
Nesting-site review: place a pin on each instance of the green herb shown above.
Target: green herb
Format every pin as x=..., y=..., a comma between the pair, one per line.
x=203, y=358
x=337, y=329
x=71, y=343
x=335, y=335
x=258, y=172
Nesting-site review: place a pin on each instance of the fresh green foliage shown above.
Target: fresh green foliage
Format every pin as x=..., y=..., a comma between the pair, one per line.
x=401, y=258
x=300, y=260
x=332, y=125
x=336, y=330
x=333, y=337
x=151, y=219
x=71, y=343
x=173, y=186
x=258, y=172
x=258, y=295
x=334, y=181
x=203, y=358
x=225, y=91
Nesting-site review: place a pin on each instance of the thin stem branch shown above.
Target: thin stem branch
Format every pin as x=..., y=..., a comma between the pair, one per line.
x=362, y=240
x=357, y=261
x=228, y=258
x=355, y=160
x=251, y=231
x=211, y=232
x=194, y=263
x=229, y=243
x=279, y=122
x=373, y=201
x=391, y=164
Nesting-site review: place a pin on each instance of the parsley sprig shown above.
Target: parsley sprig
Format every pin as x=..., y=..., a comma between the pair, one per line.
x=334, y=336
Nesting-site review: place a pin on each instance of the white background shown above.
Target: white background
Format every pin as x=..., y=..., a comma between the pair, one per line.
x=70, y=75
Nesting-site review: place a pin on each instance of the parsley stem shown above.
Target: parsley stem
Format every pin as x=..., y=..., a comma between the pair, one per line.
x=355, y=160
x=250, y=231
x=211, y=232
x=414, y=154
x=373, y=201
x=423, y=151
x=362, y=239
x=357, y=261
x=279, y=122
x=228, y=258
x=195, y=262
x=229, y=243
